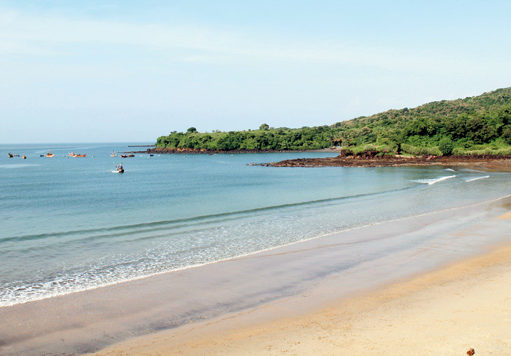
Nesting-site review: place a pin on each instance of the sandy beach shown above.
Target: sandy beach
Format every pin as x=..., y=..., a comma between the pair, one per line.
x=446, y=312
x=436, y=283
x=464, y=305
x=268, y=178
x=323, y=294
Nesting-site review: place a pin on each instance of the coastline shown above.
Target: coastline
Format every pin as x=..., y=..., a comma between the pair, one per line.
x=164, y=150
x=464, y=305
x=298, y=277
x=495, y=163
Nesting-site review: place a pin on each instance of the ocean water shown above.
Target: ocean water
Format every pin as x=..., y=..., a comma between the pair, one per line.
x=70, y=224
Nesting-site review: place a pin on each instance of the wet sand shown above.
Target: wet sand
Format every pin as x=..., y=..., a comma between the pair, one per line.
x=464, y=306
x=261, y=289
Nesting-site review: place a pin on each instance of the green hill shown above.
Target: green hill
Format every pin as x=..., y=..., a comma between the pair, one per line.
x=474, y=125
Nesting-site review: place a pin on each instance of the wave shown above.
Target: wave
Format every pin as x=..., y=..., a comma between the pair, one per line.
x=476, y=178
x=102, y=276
x=450, y=170
x=168, y=225
x=433, y=180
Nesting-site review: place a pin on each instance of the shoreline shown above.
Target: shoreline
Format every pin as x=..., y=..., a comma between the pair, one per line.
x=164, y=150
x=265, y=250
x=495, y=163
x=448, y=311
x=94, y=319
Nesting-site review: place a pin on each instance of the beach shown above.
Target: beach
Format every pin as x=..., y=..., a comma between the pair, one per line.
x=466, y=305
x=158, y=194
x=303, y=293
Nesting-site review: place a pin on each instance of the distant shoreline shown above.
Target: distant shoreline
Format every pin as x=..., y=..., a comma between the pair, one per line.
x=160, y=150
x=502, y=163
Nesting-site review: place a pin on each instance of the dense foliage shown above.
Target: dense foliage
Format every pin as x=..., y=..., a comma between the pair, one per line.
x=474, y=125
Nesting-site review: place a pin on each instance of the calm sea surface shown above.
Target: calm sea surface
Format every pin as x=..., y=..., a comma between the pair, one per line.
x=69, y=224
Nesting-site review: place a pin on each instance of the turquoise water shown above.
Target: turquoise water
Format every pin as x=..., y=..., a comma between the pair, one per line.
x=70, y=224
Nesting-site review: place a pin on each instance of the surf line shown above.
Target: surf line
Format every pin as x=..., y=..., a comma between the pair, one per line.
x=108, y=284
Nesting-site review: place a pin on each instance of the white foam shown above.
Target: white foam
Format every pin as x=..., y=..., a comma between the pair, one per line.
x=476, y=178
x=433, y=180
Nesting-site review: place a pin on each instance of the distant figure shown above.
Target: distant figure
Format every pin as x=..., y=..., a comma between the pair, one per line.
x=10, y=155
x=24, y=157
x=471, y=352
x=120, y=168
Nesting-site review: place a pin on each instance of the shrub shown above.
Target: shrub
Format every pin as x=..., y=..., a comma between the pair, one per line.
x=420, y=151
x=445, y=146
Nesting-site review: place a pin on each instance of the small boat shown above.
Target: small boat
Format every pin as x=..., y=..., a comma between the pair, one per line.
x=49, y=155
x=120, y=168
x=72, y=154
x=113, y=154
x=124, y=156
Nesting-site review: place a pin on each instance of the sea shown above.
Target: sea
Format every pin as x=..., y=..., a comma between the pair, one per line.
x=71, y=224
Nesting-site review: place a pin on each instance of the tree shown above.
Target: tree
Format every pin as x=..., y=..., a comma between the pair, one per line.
x=445, y=146
x=191, y=130
x=264, y=127
x=506, y=134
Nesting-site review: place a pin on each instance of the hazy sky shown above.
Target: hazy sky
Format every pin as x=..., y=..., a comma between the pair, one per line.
x=88, y=71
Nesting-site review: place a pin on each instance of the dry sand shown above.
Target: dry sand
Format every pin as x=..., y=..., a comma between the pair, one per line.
x=445, y=312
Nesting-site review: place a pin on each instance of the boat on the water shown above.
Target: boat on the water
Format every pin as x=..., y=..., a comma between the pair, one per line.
x=72, y=154
x=120, y=168
x=113, y=154
x=49, y=155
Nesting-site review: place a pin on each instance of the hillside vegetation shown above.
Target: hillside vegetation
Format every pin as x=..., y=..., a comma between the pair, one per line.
x=474, y=125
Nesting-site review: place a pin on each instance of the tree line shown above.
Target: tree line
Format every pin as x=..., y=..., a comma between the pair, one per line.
x=474, y=125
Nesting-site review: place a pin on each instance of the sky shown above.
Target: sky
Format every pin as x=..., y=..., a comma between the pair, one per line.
x=130, y=71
